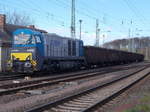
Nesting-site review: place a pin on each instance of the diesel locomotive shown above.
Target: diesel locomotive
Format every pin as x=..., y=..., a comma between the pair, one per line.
x=35, y=51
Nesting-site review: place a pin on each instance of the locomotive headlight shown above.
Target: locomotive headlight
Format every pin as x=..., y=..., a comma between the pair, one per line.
x=28, y=58
x=14, y=58
x=9, y=64
x=27, y=64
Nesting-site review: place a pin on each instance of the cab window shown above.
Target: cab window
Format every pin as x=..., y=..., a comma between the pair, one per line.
x=38, y=39
x=24, y=39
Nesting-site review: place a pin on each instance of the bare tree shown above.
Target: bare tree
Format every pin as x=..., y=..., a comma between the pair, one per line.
x=18, y=19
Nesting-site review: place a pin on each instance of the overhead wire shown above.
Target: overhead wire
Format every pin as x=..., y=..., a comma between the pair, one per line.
x=37, y=11
x=82, y=12
x=134, y=10
x=139, y=11
x=50, y=15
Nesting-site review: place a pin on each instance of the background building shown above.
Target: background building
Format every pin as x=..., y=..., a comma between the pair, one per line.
x=138, y=45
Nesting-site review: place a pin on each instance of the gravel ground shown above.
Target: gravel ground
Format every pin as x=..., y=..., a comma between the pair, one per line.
x=50, y=89
x=63, y=85
x=28, y=102
x=24, y=103
x=130, y=99
x=97, y=95
x=8, y=98
x=58, y=87
x=21, y=99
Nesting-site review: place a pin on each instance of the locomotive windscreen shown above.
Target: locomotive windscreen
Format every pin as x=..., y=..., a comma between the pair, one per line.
x=24, y=39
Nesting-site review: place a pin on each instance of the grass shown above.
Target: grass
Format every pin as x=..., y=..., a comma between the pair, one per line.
x=140, y=108
x=146, y=99
x=144, y=105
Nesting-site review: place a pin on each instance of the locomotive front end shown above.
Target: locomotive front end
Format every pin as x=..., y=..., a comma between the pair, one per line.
x=25, y=56
x=22, y=60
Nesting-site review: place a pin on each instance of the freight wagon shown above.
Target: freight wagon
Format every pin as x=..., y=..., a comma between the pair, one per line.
x=103, y=56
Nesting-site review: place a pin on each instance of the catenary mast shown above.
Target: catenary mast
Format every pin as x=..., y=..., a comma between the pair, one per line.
x=97, y=33
x=73, y=27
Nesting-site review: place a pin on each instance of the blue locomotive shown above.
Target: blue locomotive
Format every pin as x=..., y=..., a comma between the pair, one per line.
x=35, y=51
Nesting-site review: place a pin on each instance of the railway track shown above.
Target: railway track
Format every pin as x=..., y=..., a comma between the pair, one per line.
x=13, y=88
x=87, y=100
x=13, y=76
x=9, y=76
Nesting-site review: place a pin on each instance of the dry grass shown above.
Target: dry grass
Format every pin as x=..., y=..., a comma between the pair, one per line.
x=144, y=105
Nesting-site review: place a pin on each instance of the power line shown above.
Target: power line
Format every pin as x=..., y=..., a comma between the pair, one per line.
x=81, y=12
x=139, y=11
x=134, y=10
x=37, y=9
x=49, y=14
x=35, y=12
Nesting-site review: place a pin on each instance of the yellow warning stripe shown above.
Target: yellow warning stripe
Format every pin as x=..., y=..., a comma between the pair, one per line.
x=21, y=56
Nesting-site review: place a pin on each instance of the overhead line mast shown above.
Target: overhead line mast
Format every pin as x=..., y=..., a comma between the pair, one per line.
x=73, y=27
x=97, y=33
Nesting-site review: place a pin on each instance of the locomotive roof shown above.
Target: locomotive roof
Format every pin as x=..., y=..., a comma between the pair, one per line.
x=32, y=31
x=11, y=28
x=58, y=36
x=25, y=30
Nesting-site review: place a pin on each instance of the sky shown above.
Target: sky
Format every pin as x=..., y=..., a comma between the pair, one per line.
x=115, y=17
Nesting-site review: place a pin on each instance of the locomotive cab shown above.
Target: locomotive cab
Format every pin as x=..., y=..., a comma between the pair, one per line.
x=26, y=51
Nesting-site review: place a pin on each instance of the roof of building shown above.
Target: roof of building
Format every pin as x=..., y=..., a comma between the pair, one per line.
x=4, y=38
